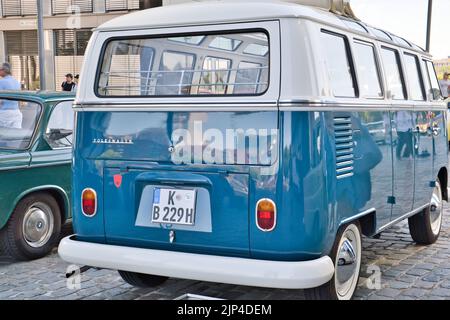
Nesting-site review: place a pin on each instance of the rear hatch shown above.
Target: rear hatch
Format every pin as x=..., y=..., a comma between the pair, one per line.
x=180, y=180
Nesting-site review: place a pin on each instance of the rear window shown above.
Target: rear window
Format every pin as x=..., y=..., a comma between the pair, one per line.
x=206, y=64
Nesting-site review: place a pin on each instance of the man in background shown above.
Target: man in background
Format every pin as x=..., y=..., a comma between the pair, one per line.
x=445, y=85
x=68, y=85
x=10, y=115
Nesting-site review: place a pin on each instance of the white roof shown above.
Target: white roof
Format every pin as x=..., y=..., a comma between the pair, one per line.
x=214, y=12
x=224, y=11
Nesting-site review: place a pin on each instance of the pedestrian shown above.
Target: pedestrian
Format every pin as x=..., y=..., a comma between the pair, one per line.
x=445, y=85
x=10, y=115
x=68, y=85
x=76, y=80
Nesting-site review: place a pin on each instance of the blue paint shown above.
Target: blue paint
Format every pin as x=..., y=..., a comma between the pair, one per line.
x=312, y=185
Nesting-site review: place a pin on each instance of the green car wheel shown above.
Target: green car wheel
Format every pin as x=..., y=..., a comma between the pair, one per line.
x=33, y=229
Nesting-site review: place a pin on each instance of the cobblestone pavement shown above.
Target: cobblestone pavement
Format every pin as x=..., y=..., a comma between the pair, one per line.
x=408, y=271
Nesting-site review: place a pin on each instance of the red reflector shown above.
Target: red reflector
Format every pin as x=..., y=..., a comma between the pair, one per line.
x=89, y=202
x=266, y=215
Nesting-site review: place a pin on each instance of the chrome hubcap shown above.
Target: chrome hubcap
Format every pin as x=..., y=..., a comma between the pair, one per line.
x=38, y=225
x=436, y=209
x=348, y=262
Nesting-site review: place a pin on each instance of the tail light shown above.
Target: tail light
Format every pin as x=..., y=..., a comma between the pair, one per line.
x=266, y=215
x=89, y=202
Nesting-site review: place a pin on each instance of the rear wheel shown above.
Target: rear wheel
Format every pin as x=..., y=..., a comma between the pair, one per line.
x=346, y=254
x=142, y=280
x=33, y=228
x=426, y=226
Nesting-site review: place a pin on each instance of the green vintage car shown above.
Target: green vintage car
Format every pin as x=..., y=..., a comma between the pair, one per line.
x=35, y=171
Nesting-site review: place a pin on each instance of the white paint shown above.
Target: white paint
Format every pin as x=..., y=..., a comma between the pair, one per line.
x=239, y=271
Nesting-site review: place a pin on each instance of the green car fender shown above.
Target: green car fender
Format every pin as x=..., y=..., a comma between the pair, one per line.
x=59, y=193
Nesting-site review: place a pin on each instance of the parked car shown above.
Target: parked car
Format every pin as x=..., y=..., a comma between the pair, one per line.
x=238, y=148
x=35, y=171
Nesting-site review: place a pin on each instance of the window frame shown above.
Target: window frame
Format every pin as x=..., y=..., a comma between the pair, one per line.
x=357, y=41
x=421, y=79
x=350, y=60
x=36, y=127
x=184, y=34
x=441, y=96
x=400, y=69
x=56, y=105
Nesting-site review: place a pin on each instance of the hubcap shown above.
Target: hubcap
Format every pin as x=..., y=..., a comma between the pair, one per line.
x=38, y=225
x=436, y=209
x=348, y=261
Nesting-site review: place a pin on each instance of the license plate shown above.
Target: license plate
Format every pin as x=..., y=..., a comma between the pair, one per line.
x=174, y=206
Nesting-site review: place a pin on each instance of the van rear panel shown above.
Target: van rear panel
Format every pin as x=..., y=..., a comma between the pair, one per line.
x=142, y=159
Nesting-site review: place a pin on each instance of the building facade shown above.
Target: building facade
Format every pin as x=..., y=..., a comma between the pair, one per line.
x=67, y=29
x=442, y=65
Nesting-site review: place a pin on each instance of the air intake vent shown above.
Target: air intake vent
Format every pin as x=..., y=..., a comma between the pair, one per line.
x=344, y=147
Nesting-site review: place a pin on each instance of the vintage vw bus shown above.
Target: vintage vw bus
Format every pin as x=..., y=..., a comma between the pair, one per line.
x=238, y=147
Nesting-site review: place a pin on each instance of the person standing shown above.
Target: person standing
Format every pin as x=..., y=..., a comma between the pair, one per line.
x=68, y=85
x=76, y=80
x=10, y=115
x=445, y=85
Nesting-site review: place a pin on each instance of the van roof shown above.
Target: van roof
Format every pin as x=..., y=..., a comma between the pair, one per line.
x=201, y=13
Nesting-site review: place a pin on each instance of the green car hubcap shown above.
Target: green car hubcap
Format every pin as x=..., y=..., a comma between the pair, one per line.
x=38, y=225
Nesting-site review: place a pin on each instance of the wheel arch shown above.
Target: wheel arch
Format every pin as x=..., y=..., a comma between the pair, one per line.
x=443, y=179
x=367, y=221
x=58, y=193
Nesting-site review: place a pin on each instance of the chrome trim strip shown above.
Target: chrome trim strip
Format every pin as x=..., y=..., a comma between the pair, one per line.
x=178, y=109
x=298, y=105
x=358, y=216
x=403, y=217
x=53, y=164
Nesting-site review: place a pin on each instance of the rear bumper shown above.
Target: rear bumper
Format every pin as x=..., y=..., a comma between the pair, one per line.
x=239, y=271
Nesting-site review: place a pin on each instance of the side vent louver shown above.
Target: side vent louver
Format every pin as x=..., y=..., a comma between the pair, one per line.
x=344, y=147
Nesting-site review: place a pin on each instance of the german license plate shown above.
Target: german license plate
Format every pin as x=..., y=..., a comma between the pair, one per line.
x=174, y=206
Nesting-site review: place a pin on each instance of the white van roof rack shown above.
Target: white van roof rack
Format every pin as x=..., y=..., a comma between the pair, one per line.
x=340, y=7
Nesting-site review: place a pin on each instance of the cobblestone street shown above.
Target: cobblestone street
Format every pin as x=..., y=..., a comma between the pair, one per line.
x=408, y=272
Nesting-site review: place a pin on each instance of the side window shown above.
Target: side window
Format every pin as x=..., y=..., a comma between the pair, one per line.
x=413, y=73
x=393, y=73
x=59, y=131
x=338, y=65
x=435, y=88
x=366, y=66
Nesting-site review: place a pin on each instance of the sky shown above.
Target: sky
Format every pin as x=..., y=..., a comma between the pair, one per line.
x=408, y=19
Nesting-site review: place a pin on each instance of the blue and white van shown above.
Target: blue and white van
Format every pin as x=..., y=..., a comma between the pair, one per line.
x=254, y=146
